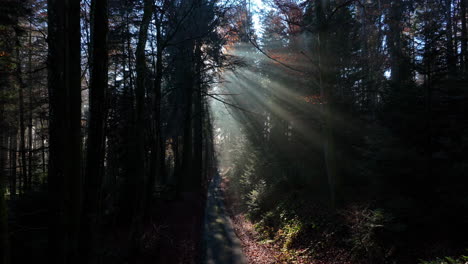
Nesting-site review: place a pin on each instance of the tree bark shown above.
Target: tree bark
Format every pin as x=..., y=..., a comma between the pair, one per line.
x=95, y=149
x=187, y=86
x=4, y=238
x=64, y=177
x=13, y=157
x=43, y=155
x=157, y=160
x=30, y=113
x=198, y=122
x=394, y=43
x=141, y=70
x=464, y=37
x=326, y=94
x=22, y=147
x=451, y=59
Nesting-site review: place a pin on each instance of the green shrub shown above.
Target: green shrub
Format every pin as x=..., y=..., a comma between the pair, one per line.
x=255, y=200
x=291, y=231
x=364, y=225
x=446, y=260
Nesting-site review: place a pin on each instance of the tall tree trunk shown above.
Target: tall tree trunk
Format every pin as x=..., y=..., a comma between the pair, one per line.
x=24, y=171
x=326, y=94
x=4, y=237
x=43, y=155
x=451, y=59
x=13, y=157
x=141, y=70
x=198, y=122
x=64, y=129
x=95, y=149
x=127, y=107
x=177, y=164
x=187, y=85
x=208, y=153
x=464, y=37
x=157, y=105
x=156, y=151
x=428, y=61
x=367, y=58
x=394, y=43
x=30, y=112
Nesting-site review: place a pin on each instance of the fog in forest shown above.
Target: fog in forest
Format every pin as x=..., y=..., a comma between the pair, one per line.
x=233, y=131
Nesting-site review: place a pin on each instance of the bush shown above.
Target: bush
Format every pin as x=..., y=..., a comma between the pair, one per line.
x=447, y=260
x=291, y=231
x=255, y=199
x=364, y=225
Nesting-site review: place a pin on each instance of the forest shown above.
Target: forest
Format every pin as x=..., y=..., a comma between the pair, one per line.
x=234, y=131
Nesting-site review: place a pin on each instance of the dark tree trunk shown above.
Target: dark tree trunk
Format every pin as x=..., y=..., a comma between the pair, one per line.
x=186, y=170
x=139, y=176
x=464, y=37
x=208, y=150
x=156, y=151
x=43, y=155
x=13, y=157
x=451, y=59
x=30, y=115
x=95, y=150
x=22, y=147
x=64, y=129
x=428, y=63
x=128, y=138
x=4, y=239
x=395, y=43
x=198, y=123
x=326, y=94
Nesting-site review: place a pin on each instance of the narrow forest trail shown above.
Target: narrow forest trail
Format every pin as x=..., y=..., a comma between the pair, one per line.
x=220, y=243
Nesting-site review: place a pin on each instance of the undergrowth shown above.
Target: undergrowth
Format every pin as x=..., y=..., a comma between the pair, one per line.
x=312, y=231
x=447, y=260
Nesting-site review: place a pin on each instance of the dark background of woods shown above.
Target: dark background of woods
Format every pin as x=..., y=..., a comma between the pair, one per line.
x=353, y=124
x=85, y=169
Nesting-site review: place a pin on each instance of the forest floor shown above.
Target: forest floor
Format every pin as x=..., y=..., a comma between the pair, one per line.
x=173, y=234
x=256, y=250
x=330, y=242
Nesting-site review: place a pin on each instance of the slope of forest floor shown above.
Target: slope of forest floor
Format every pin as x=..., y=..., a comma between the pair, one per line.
x=253, y=250
x=256, y=249
x=174, y=234
x=355, y=234
x=170, y=236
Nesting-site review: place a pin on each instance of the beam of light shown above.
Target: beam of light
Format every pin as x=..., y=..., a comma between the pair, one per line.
x=273, y=94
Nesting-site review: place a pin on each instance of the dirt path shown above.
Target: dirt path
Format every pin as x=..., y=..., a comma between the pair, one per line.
x=221, y=245
x=255, y=252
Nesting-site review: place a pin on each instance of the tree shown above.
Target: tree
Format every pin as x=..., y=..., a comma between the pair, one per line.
x=21, y=85
x=4, y=237
x=64, y=179
x=140, y=156
x=464, y=37
x=95, y=150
